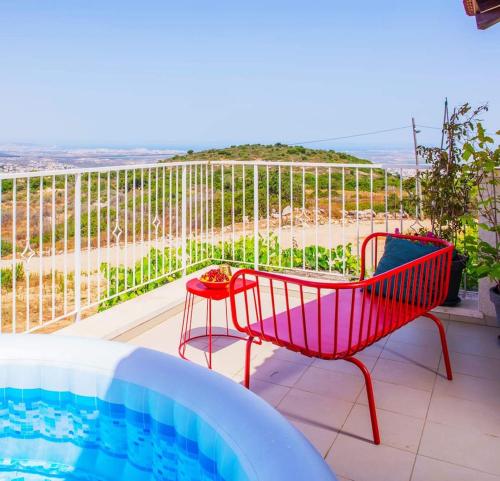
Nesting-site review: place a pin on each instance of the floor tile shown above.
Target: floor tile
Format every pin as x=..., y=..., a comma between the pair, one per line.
x=423, y=356
x=164, y=337
x=331, y=383
x=478, y=347
x=473, y=339
x=321, y=438
x=427, y=469
x=375, y=349
x=316, y=409
x=475, y=331
x=476, y=416
x=399, y=399
x=426, y=323
x=404, y=374
x=283, y=354
x=230, y=359
x=417, y=336
x=396, y=430
x=220, y=342
x=272, y=393
x=346, y=367
x=362, y=461
x=461, y=446
x=277, y=371
x=473, y=365
x=471, y=388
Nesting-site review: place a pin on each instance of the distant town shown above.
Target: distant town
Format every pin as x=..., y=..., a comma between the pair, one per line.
x=23, y=158
x=26, y=157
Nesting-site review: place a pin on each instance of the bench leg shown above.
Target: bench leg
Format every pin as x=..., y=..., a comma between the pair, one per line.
x=444, y=344
x=371, y=398
x=247, y=362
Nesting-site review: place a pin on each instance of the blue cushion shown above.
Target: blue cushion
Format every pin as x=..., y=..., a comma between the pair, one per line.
x=400, y=251
x=396, y=253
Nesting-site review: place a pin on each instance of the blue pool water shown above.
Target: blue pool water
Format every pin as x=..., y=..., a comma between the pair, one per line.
x=50, y=435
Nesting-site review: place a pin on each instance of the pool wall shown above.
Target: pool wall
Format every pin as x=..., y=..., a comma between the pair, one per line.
x=233, y=431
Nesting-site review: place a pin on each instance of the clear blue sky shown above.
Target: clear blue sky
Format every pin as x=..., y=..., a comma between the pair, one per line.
x=194, y=73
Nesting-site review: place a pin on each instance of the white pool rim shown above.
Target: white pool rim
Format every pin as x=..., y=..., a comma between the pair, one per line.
x=268, y=447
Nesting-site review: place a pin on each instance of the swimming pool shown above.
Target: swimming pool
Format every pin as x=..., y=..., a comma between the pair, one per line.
x=84, y=410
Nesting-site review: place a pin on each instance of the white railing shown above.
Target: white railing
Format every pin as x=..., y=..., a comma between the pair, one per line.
x=75, y=241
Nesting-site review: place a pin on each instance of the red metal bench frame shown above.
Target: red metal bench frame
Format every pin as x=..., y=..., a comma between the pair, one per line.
x=351, y=315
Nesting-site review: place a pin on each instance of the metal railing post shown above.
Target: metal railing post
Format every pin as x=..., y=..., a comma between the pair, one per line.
x=78, y=245
x=184, y=219
x=256, y=217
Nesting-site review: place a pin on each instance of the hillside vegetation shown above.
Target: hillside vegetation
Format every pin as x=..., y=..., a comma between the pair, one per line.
x=277, y=186
x=275, y=152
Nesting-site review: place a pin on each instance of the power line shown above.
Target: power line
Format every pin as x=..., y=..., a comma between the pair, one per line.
x=350, y=136
x=429, y=127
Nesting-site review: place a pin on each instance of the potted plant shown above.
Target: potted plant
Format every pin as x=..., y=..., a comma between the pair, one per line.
x=483, y=161
x=448, y=190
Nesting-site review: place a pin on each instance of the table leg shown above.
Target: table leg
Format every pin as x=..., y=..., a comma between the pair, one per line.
x=191, y=307
x=186, y=323
x=209, y=309
x=227, y=320
x=206, y=319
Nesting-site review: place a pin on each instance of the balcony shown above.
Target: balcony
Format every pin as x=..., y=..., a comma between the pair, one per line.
x=105, y=253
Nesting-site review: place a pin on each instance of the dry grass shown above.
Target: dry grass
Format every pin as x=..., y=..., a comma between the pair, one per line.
x=35, y=306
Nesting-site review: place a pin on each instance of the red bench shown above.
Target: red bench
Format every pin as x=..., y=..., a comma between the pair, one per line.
x=336, y=320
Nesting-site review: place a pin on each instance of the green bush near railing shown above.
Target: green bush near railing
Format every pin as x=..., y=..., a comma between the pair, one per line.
x=5, y=248
x=468, y=243
x=160, y=267
x=7, y=276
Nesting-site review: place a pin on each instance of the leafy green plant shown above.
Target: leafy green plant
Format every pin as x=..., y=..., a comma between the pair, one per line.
x=153, y=270
x=448, y=188
x=160, y=267
x=483, y=162
x=460, y=187
x=468, y=242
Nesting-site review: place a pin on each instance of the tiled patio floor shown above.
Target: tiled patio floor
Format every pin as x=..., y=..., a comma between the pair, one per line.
x=432, y=429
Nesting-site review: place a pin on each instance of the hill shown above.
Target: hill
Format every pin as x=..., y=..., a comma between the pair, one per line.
x=297, y=153
x=276, y=187
x=275, y=152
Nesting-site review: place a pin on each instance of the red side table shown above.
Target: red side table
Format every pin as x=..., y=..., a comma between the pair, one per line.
x=194, y=288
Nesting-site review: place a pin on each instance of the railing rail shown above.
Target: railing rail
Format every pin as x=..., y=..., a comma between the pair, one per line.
x=76, y=240
x=129, y=167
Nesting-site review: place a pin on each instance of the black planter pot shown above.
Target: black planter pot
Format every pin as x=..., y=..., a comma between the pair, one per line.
x=495, y=298
x=457, y=267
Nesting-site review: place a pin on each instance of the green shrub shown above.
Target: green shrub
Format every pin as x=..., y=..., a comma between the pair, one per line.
x=5, y=248
x=160, y=267
x=6, y=276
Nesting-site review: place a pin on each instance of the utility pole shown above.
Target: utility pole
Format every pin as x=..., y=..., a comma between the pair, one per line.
x=417, y=176
x=446, y=120
x=415, y=132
